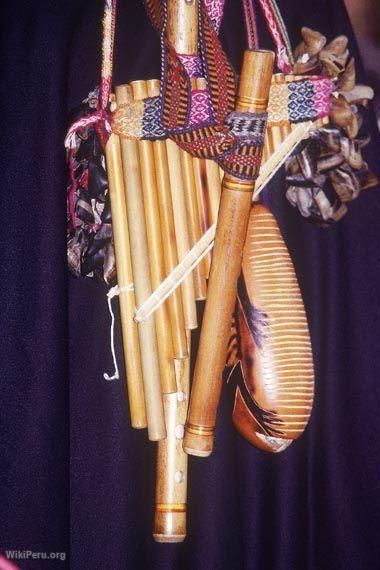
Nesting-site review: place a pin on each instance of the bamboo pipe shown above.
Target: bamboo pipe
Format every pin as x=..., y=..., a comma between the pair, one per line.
x=171, y=477
x=201, y=184
x=171, y=483
x=277, y=133
x=127, y=302
x=234, y=211
x=195, y=231
x=156, y=254
x=181, y=231
x=168, y=235
x=182, y=27
x=182, y=32
x=214, y=188
x=141, y=278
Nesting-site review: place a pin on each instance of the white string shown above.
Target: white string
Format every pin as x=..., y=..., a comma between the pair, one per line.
x=113, y=292
x=172, y=281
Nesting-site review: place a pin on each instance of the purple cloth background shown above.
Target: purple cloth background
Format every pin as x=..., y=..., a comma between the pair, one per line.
x=73, y=475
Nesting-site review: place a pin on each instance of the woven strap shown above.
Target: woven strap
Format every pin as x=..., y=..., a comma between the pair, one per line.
x=100, y=118
x=277, y=29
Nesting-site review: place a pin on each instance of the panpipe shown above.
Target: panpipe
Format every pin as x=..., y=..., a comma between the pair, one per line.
x=164, y=230
x=127, y=301
x=163, y=201
x=142, y=281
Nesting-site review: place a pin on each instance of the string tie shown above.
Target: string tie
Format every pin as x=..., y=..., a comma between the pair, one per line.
x=114, y=292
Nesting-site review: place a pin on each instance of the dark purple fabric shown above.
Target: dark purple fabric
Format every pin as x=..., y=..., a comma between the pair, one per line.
x=314, y=507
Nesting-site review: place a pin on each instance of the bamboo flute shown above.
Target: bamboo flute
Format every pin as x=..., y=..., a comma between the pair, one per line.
x=141, y=278
x=156, y=253
x=171, y=480
x=234, y=211
x=180, y=349
x=127, y=301
x=171, y=477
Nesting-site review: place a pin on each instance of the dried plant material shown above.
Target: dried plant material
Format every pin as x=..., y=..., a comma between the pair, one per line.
x=348, y=78
x=343, y=116
x=312, y=43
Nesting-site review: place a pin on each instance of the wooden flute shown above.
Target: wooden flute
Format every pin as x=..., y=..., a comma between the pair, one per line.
x=172, y=461
x=233, y=216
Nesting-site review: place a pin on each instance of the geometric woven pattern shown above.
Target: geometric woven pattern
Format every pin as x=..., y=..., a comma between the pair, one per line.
x=323, y=89
x=278, y=103
x=191, y=63
x=200, y=107
x=301, y=101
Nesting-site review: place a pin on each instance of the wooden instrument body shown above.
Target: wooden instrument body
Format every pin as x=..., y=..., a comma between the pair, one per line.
x=230, y=234
x=171, y=474
x=274, y=401
x=171, y=480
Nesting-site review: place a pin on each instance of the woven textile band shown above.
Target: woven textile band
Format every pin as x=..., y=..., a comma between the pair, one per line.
x=248, y=127
x=294, y=101
x=191, y=63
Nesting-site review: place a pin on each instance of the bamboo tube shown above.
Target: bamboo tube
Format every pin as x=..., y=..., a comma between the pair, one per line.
x=195, y=231
x=182, y=32
x=214, y=188
x=200, y=175
x=171, y=477
x=274, y=134
x=142, y=279
x=156, y=254
x=230, y=235
x=183, y=26
x=168, y=235
x=124, y=278
x=181, y=231
x=171, y=486
x=201, y=186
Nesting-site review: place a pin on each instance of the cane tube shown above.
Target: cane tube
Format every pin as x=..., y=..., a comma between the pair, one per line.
x=141, y=278
x=127, y=301
x=171, y=476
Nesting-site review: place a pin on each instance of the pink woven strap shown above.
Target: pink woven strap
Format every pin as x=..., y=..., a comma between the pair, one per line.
x=323, y=88
x=250, y=24
x=109, y=20
x=191, y=63
x=278, y=33
x=215, y=10
x=200, y=107
x=100, y=118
